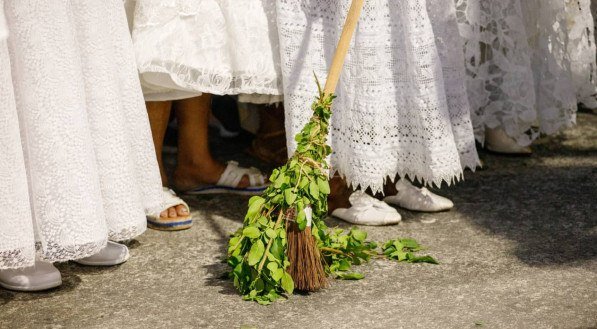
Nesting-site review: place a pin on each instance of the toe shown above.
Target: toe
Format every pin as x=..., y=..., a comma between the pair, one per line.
x=181, y=210
x=172, y=212
x=164, y=214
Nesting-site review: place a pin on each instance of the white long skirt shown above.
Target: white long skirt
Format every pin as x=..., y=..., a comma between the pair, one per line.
x=581, y=47
x=188, y=47
x=402, y=107
x=528, y=62
x=77, y=164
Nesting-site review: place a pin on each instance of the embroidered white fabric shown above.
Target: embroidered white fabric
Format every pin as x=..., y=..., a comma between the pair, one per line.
x=401, y=106
x=518, y=59
x=81, y=167
x=187, y=47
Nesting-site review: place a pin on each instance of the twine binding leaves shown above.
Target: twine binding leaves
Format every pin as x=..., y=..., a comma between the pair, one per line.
x=257, y=251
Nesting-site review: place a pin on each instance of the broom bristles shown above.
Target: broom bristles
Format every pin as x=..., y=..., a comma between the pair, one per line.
x=306, y=268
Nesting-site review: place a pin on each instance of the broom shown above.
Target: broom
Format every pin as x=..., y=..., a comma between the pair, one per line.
x=306, y=266
x=276, y=251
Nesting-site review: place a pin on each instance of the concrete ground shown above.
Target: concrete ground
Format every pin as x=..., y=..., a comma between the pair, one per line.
x=518, y=251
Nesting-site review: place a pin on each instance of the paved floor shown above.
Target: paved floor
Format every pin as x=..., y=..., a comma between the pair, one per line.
x=518, y=251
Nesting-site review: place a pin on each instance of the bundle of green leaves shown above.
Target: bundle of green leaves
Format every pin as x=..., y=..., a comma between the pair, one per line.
x=257, y=251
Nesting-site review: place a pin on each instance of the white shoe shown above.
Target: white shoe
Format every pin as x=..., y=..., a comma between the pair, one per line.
x=496, y=140
x=418, y=199
x=112, y=254
x=367, y=210
x=41, y=276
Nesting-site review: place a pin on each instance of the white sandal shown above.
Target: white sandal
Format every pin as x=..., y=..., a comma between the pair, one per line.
x=168, y=223
x=418, y=199
x=367, y=210
x=229, y=180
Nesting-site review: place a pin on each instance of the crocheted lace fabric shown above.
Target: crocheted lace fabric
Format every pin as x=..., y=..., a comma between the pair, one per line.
x=402, y=107
x=188, y=47
x=581, y=47
x=528, y=62
x=78, y=165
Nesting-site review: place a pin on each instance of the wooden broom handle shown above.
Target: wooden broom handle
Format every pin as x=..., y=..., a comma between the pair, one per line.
x=350, y=26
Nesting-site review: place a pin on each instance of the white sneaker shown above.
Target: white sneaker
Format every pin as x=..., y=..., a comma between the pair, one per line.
x=112, y=254
x=367, y=210
x=418, y=199
x=41, y=276
x=496, y=140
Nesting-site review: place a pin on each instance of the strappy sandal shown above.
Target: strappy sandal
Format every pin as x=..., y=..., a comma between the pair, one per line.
x=170, y=224
x=228, y=182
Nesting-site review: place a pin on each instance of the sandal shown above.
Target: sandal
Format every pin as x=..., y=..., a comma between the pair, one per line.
x=229, y=180
x=367, y=210
x=170, y=224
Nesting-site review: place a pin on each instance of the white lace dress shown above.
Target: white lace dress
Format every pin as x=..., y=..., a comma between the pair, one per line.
x=528, y=64
x=402, y=106
x=581, y=47
x=77, y=164
x=188, y=47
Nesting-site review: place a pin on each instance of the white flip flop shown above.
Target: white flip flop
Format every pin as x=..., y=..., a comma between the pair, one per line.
x=418, y=199
x=367, y=210
x=229, y=180
x=170, y=224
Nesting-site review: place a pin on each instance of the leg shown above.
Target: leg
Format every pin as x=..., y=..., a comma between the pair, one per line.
x=159, y=114
x=269, y=144
x=195, y=163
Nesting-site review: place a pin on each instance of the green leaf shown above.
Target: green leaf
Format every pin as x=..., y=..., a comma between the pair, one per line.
x=251, y=232
x=256, y=253
x=304, y=182
x=313, y=190
x=277, y=249
x=280, y=180
x=344, y=265
x=350, y=276
x=255, y=204
x=277, y=274
x=359, y=235
x=424, y=259
x=323, y=185
x=411, y=244
x=301, y=217
x=289, y=196
x=272, y=266
x=263, y=221
x=259, y=285
x=270, y=233
x=287, y=283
